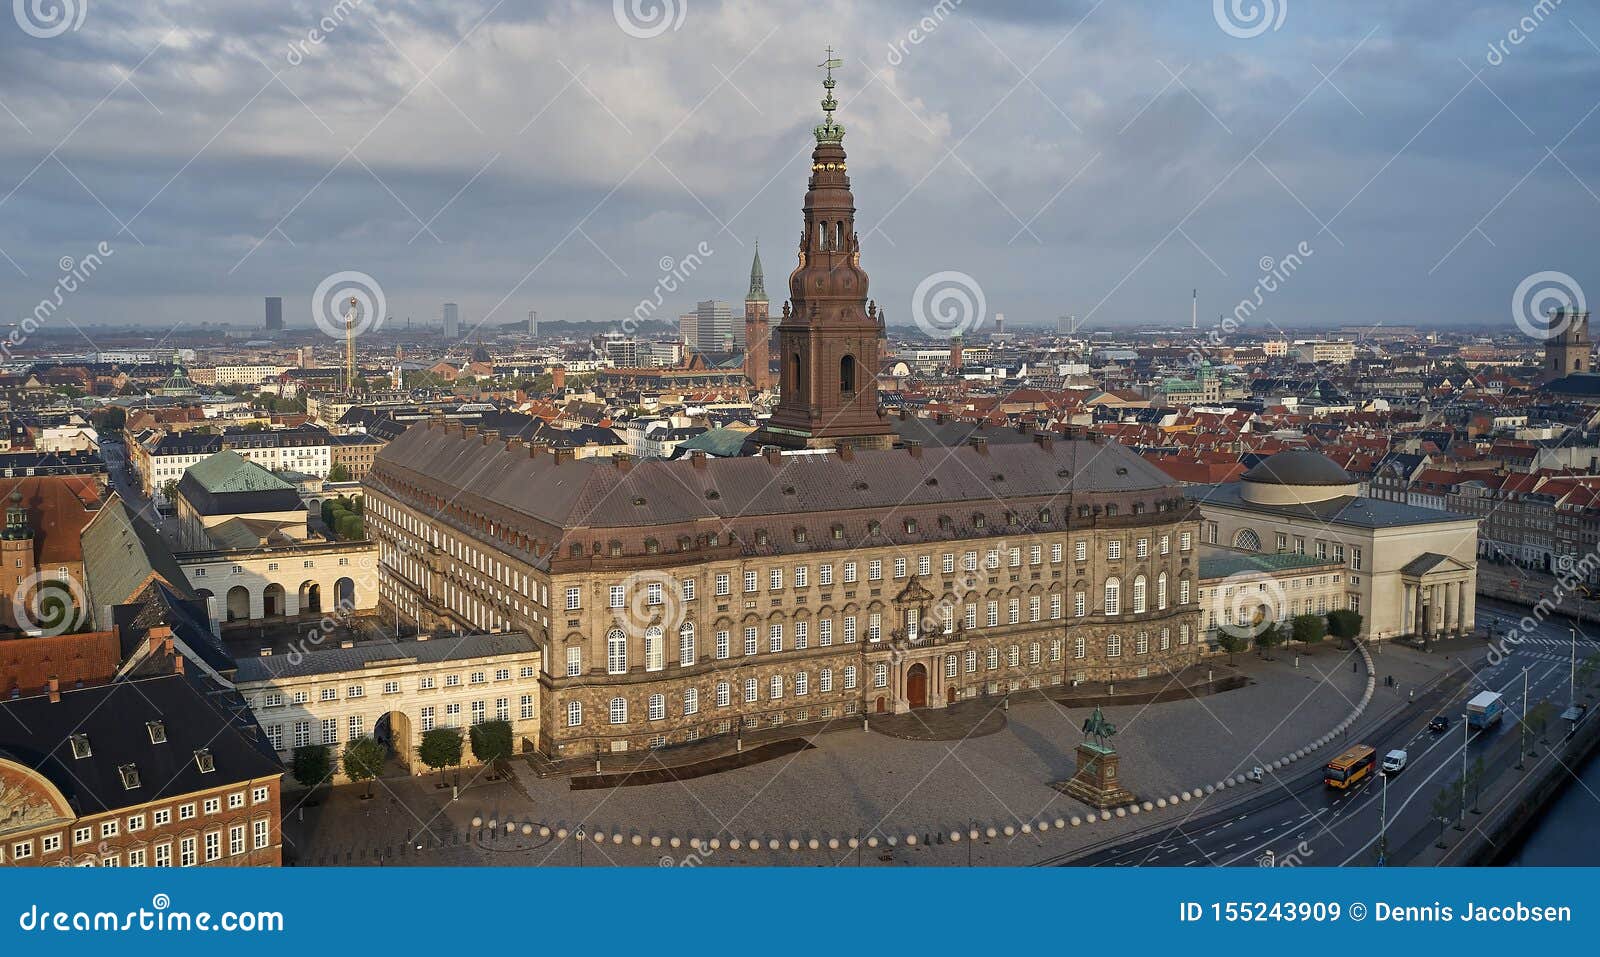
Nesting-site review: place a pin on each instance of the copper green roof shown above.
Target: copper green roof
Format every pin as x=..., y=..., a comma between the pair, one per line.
x=228, y=471
x=758, y=283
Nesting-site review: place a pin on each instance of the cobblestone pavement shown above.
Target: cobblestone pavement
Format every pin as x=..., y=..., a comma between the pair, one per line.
x=861, y=784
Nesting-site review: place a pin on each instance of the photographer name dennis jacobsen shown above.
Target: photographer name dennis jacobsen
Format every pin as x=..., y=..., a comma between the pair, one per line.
x=1516, y=913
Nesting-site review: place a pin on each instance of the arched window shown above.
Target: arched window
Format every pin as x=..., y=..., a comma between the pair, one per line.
x=1113, y=646
x=847, y=374
x=1139, y=595
x=1113, y=596
x=794, y=372
x=1161, y=592
x=1248, y=540
x=616, y=652
x=655, y=654
x=619, y=710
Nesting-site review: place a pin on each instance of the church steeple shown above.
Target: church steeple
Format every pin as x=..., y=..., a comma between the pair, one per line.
x=828, y=339
x=758, y=281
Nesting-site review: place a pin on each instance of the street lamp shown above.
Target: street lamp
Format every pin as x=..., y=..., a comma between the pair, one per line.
x=1466, y=739
x=1383, y=821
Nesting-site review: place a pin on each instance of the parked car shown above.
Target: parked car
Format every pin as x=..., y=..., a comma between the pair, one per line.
x=1440, y=724
x=1394, y=762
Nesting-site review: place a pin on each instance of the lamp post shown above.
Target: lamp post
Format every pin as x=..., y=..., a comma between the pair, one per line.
x=1466, y=738
x=1383, y=821
x=1572, y=668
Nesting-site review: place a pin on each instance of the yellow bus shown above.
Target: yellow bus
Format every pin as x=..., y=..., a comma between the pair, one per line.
x=1354, y=765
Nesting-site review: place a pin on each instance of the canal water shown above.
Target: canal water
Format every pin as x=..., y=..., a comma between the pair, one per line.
x=1557, y=840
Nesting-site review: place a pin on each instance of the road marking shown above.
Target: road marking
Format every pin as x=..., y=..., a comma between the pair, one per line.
x=1230, y=847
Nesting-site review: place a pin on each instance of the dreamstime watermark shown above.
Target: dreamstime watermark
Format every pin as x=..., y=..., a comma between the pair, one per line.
x=931, y=21
x=648, y=19
x=1570, y=574
x=342, y=292
x=651, y=607
x=1246, y=604
x=45, y=19
x=948, y=303
x=75, y=274
x=674, y=274
x=1301, y=853
x=1544, y=304
x=49, y=604
x=1245, y=19
x=1519, y=34
x=1274, y=274
x=159, y=916
x=318, y=35
x=700, y=854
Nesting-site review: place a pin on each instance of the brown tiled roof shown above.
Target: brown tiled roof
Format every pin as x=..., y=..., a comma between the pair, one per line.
x=59, y=506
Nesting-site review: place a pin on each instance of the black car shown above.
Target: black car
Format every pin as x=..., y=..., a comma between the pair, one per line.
x=1439, y=724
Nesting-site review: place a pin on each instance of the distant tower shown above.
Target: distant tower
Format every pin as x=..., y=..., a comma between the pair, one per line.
x=757, y=336
x=1194, y=311
x=350, y=348
x=274, y=313
x=533, y=322
x=452, y=321
x=999, y=323
x=955, y=353
x=1570, y=351
x=16, y=552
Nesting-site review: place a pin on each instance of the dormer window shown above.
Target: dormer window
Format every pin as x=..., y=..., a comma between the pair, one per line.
x=157, y=730
x=80, y=746
x=204, y=760
x=129, y=773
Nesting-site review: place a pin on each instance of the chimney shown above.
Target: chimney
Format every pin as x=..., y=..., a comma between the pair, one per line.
x=1044, y=440
x=904, y=415
x=847, y=452
x=914, y=447
x=561, y=456
x=469, y=430
x=54, y=687
x=622, y=461
x=558, y=377
x=772, y=454
x=980, y=443
x=177, y=664
x=489, y=436
x=697, y=458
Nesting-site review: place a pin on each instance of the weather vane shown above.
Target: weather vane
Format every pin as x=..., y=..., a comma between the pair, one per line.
x=829, y=131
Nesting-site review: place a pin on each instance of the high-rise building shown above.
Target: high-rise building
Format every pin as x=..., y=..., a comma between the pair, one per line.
x=533, y=322
x=452, y=321
x=715, y=330
x=829, y=337
x=757, y=337
x=689, y=330
x=274, y=313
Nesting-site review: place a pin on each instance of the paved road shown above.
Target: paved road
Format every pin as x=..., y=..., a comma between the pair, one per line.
x=126, y=483
x=1301, y=821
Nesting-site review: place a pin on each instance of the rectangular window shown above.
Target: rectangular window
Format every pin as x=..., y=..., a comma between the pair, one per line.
x=775, y=579
x=825, y=575
x=750, y=581
x=574, y=661
x=802, y=635
x=947, y=563
x=574, y=597
x=750, y=639
x=724, y=586
x=849, y=629
x=1114, y=549
x=802, y=577
x=262, y=831
x=775, y=637
x=618, y=595
x=899, y=568
x=825, y=632
x=875, y=627
x=722, y=645
x=802, y=684
x=875, y=570
x=525, y=707
x=849, y=573
x=1080, y=551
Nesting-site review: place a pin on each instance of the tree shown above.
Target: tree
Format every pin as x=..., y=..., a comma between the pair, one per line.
x=364, y=759
x=1309, y=629
x=337, y=472
x=1445, y=803
x=1231, y=643
x=440, y=749
x=492, y=743
x=312, y=765
x=1475, y=776
x=1539, y=719
x=1344, y=624
x=1271, y=637
x=169, y=490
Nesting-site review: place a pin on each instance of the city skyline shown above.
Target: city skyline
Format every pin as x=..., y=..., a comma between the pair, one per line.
x=1141, y=158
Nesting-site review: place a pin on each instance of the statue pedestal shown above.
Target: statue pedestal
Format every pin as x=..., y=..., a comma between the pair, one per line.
x=1095, y=783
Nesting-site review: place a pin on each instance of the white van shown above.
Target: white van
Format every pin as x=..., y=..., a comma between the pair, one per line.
x=1394, y=762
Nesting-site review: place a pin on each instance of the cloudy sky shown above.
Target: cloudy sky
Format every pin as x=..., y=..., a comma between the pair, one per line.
x=1100, y=159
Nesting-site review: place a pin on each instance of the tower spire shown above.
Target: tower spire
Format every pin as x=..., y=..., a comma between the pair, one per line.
x=829, y=131
x=758, y=281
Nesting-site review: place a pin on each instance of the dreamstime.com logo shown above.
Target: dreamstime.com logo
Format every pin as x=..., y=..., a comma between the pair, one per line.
x=648, y=19
x=1244, y=19
x=948, y=304
x=159, y=917
x=1246, y=604
x=49, y=604
x=341, y=292
x=1545, y=303
x=651, y=600
x=49, y=18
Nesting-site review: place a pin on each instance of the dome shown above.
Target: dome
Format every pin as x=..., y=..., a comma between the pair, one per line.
x=1298, y=467
x=1297, y=477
